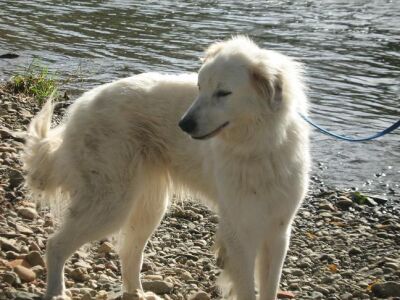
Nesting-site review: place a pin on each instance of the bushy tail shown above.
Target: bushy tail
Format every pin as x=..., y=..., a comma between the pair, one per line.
x=39, y=153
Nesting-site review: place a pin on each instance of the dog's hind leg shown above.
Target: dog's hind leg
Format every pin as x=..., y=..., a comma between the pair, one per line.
x=146, y=215
x=91, y=216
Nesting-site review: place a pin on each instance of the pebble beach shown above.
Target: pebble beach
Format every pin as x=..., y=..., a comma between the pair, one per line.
x=344, y=245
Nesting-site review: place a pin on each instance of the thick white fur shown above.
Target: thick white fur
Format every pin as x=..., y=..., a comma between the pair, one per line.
x=120, y=154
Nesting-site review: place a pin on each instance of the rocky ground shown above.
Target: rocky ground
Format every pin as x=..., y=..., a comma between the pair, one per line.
x=344, y=245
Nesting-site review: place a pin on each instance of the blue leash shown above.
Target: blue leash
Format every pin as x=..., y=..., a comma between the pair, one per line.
x=349, y=139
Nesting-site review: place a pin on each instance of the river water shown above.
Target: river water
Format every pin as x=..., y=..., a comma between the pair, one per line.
x=351, y=50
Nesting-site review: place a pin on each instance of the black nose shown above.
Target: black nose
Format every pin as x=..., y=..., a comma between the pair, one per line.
x=188, y=125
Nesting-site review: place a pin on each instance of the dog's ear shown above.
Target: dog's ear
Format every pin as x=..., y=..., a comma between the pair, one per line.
x=267, y=86
x=212, y=51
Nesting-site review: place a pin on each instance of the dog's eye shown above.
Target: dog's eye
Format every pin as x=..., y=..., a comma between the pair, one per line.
x=222, y=93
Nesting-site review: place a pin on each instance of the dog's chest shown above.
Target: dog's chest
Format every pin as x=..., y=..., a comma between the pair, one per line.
x=250, y=176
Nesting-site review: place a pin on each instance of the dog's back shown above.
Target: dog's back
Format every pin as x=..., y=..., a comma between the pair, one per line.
x=105, y=130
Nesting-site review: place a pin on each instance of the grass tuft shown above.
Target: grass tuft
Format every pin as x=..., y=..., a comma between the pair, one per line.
x=35, y=81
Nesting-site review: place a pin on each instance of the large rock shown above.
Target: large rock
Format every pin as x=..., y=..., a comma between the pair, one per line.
x=386, y=289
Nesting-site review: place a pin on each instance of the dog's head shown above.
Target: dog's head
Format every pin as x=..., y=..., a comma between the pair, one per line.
x=239, y=83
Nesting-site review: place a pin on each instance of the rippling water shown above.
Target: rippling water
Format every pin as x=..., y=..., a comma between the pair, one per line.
x=351, y=50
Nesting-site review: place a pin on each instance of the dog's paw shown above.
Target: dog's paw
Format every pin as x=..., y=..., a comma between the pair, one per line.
x=59, y=297
x=140, y=295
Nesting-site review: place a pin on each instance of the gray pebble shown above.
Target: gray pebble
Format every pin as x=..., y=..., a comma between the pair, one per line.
x=28, y=212
x=158, y=286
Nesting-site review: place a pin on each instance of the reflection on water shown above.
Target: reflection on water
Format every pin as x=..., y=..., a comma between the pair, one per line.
x=351, y=50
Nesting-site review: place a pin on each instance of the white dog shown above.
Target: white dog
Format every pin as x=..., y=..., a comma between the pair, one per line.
x=120, y=154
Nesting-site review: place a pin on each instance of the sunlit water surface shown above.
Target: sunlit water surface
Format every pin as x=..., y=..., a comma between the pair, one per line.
x=351, y=50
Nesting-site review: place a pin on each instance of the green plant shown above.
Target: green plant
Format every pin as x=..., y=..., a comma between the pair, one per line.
x=35, y=81
x=359, y=198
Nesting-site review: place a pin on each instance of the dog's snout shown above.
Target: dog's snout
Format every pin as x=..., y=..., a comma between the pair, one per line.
x=188, y=125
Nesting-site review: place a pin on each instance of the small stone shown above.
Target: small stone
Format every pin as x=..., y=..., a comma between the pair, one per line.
x=344, y=203
x=35, y=259
x=13, y=255
x=379, y=199
x=285, y=295
x=106, y=247
x=377, y=272
x=326, y=205
x=28, y=213
x=23, y=229
x=24, y=249
x=159, y=286
x=138, y=295
x=185, y=275
x=101, y=295
x=111, y=266
x=297, y=272
x=39, y=270
x=10, y=277
x=79, y=275
x=103, y=278
x=16, y=178
x=21, y=295
x=200, y=296
x=327, y=280
x=152, y=277
x=355, y=251
x=147, y=266
x=214, y=219
x=305, y=263
x=34, y=247
x=346, y=296
x=25, y=114
x=322, y=290
x=317, y=295
x=82, y=264
x=392, y=265
x=386, y=289
x=86, y=296
x=371, y=202
x=8, y=245
x=26, y=275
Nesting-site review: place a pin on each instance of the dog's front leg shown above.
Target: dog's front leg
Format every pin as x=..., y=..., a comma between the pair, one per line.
x=239, y=256
x=272, y=254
